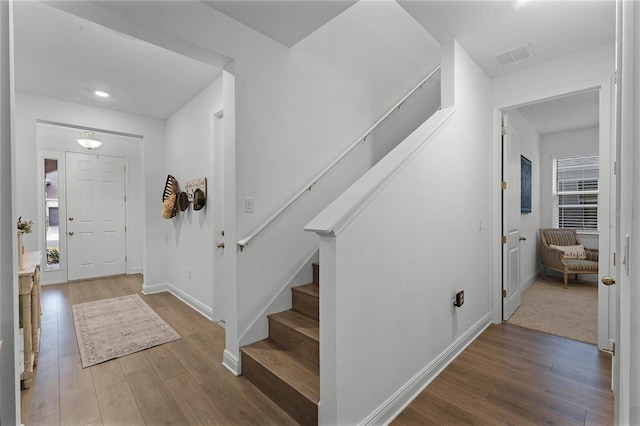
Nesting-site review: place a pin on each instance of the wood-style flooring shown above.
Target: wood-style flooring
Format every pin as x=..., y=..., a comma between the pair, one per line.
x=178, y=383
x=509, y=375
x=513, y=375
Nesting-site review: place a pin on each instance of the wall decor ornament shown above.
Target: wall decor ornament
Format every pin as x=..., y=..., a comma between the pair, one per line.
x=196, y=190
x=525, y=185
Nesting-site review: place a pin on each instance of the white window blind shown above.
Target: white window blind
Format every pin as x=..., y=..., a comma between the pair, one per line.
x=575, y=192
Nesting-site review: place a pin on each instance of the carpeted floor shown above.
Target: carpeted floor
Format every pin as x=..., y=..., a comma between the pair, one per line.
x=572, y=313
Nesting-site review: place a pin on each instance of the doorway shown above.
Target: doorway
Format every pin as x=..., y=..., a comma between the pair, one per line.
x=583, y=129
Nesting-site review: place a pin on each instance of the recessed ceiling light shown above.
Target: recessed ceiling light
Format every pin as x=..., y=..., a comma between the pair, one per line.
x=101, y=94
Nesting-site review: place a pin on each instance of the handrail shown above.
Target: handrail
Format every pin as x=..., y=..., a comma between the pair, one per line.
x=245, y=241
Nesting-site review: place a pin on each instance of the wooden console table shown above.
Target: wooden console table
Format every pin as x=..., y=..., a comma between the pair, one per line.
x=30, y=312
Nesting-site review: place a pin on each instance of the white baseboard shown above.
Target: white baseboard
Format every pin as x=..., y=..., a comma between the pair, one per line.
x=203, y=309
x=393, y=406
x=231, y=362
x=524, y=284
x=156, y=288
x=136, y=270
x=196, y=305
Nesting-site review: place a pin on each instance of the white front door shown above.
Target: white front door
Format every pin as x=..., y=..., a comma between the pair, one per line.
x=95, y=215
x=510, y=220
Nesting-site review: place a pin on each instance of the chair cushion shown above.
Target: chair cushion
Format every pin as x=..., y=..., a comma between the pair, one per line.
x=582, y=265
x=560, y=237
x=572, y=252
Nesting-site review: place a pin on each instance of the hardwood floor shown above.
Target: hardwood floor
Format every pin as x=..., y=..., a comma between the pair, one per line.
x=510, y=375
x=180, y=383
x=513, y=375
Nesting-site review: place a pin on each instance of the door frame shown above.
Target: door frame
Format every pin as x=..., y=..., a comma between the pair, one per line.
x=47, y=149
x=496, y=179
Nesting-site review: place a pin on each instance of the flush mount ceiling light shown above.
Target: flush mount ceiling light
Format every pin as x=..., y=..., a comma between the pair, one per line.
x=101, y=94
x=89, y=142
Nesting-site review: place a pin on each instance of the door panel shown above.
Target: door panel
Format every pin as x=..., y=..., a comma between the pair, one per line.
x=510, y=221
x=95, y=215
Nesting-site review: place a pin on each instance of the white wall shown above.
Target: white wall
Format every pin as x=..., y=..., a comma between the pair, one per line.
x=529, y=222
x=391, y=268
x=190, y=148
x=563, y=144
x=147, y=169
x=296, y=110
x=9, y=387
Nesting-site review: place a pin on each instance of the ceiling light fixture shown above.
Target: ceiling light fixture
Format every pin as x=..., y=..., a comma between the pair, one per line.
x=101, y=94
x=89, y=142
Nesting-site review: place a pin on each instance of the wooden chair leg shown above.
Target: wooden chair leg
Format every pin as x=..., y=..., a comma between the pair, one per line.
x=576, y=277
x=543, y=275
x=566, y=279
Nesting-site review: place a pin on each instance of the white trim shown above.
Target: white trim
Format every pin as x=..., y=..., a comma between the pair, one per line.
x=231, y=362
x=136, y=270
x=265, y=311
x=393, y=406
x=348, y=205
x=156, y=288
x=524, y=284
x=196, y=305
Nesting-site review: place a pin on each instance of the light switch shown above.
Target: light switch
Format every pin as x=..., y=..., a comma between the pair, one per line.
x=248, y=205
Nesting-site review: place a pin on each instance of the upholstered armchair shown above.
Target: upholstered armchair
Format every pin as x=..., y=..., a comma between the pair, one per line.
x=562, y=251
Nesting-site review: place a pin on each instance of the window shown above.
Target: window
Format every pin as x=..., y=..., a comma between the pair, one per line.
x=575, y=192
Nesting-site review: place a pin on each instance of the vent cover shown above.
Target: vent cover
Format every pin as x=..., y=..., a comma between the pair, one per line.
x=513, y=55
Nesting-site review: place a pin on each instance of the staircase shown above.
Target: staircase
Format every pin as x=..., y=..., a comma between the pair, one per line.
x=286, y=365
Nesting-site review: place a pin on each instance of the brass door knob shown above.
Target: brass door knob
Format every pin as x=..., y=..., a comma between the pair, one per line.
x=608, y=280
x=221, y=245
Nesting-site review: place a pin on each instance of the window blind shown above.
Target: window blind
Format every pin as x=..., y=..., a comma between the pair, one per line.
x=575, y=191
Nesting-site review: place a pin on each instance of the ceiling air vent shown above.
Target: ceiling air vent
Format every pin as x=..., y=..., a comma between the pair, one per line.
x=513, y=55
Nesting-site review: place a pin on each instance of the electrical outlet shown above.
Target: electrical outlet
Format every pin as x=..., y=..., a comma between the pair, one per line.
x=459, y=299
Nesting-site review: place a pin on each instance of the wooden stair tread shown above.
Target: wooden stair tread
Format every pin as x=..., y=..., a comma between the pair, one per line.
x=299, y=322
x=311, y=289
x=300, y=375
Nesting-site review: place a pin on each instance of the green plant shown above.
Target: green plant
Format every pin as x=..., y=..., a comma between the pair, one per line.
x=25, y=225
x=53, y=255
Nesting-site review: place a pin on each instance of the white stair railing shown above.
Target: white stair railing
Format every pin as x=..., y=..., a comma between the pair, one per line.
x=246, y=240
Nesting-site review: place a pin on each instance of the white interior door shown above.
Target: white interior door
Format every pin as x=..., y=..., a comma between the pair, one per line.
x=95, y=215
x=510, y=220
x=606, y=222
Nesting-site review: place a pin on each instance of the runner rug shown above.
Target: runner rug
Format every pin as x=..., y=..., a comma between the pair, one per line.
x=111, y=328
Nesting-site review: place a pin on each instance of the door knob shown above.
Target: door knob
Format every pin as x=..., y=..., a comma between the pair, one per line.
x=523, y=238
x=608, y=280
x=70, y=219
x=221, y=245
x=70, y=232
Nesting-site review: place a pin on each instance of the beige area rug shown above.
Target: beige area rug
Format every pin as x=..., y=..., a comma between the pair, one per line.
x=571, y=313
x=111, y=328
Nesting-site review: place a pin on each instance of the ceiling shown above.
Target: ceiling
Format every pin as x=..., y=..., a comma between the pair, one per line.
x=66, y=57
x=285, y=21
x=571, y=112
x=552, y=28
x=62, y=56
